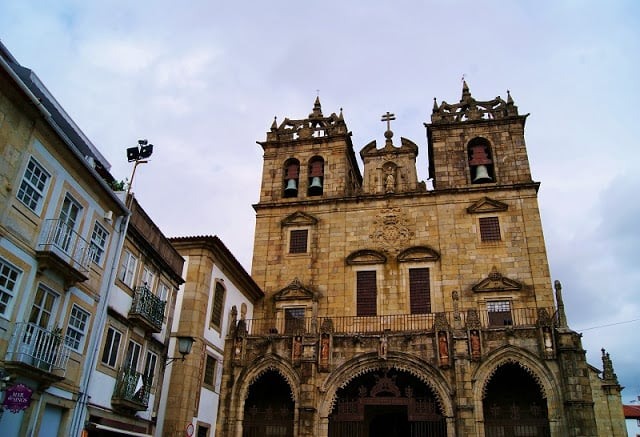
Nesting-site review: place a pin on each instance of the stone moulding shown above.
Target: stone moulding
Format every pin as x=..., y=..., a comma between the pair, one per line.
x=496, y=282
x=365, y=257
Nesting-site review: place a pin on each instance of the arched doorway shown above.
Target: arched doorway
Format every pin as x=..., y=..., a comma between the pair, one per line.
x=514, y=405
x=268, y=409
x=386, y=403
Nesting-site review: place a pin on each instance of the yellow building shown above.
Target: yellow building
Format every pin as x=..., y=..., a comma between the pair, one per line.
x=61, y=229
x=393, y=308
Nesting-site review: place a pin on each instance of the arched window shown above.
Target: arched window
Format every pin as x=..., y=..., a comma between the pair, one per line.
x=316, y=176
x=480, y=161
x=291, y=177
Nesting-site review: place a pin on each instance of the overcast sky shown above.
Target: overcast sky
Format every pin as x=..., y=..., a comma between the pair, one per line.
x=202, y=80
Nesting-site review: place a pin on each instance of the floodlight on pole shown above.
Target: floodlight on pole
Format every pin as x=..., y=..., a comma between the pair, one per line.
x=138, y=155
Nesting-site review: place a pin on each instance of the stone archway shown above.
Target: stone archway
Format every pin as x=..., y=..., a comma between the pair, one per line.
x=388, y=402
x=514, y=404
x=269, y=409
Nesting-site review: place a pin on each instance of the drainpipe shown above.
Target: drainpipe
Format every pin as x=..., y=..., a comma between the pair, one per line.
x=80, y=412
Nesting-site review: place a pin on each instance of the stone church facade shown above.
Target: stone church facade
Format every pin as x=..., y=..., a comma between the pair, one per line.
x=391, y=309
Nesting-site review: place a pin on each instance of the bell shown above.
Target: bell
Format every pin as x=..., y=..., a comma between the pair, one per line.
x=292, y=188
x=316, y=185
x=482, y=175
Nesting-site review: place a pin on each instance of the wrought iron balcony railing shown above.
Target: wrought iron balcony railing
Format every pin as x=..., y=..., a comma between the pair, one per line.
x=38, y=348
x=147, y=308
x=131, y=391
x=520, y=317
x=63, y=248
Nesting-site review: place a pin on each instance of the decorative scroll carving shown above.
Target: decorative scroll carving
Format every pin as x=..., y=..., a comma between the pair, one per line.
x=472, y=319
x=390, y=230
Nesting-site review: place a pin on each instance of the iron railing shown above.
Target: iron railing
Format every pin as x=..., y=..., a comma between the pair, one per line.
x=60, y=238
x=132, y=387
x=38, y=347
x=519, y=317
x=149, y=306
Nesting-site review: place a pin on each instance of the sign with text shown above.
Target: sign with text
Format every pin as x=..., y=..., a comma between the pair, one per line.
x=17, y=398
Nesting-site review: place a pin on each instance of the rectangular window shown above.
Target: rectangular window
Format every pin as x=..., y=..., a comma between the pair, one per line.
x=163, y=291
x=218, y=305
x=209, y=371
x=133, y=355
x=293, y=320
x=99, y=238
x=150, y=367
x=366, y=293
x=111, y=346
x=128, y=268
x=489, y=229
x=499, y=313
x=419, y=291
x=298, y=241
x=9, y=277
x=33, y=185
x=149, y=278
x=44, y=307
x=77, y=328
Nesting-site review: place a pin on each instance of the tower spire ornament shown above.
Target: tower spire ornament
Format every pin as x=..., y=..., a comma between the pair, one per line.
x=388, y=133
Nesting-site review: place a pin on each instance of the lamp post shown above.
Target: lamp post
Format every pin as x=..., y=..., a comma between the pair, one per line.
x=184, y=348
x=138, y=155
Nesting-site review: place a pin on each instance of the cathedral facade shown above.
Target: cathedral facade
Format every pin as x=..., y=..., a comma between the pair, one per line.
x=396, y=309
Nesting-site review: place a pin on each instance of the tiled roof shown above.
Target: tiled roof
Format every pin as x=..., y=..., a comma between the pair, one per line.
x=631, y=411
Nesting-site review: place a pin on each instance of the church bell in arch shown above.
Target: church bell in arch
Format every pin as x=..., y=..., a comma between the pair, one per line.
x=478, y=163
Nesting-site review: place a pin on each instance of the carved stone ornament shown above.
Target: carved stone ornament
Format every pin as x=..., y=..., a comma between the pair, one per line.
x=418, y=253
x=327, y=326
x=496, y=282
x=295, y=291
x=544, y=319
x=470, y=109
x=365, y=257
x=487, y=205
x=390, y=230
x=299, y=218
x=440, y=322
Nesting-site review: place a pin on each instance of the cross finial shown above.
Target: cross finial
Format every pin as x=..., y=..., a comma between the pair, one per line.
x=388, y=117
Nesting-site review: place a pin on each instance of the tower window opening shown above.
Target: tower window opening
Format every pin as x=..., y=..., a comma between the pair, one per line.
x=316, y=176
x=489, y=228
x=291, y=175
x=480, y=161
x=298, y=241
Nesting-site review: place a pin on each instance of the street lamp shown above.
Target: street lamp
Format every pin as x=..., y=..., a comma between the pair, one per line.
x=138, y=155
x=184, y=347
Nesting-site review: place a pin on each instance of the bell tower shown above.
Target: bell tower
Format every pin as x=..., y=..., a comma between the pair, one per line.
x=477, y=144
x=309, y=159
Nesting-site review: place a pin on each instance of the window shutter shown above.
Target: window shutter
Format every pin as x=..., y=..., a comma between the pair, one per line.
x=419, y=291
x=366, y=293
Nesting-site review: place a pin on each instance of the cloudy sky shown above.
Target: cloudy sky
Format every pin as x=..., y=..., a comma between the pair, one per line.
x=202, y=80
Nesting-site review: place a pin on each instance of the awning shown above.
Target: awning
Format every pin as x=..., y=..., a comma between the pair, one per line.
x=118, y=430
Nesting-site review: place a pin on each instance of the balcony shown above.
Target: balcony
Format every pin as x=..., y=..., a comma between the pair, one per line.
x=37, y=353
x=64, y=250
x=131, y=392
x=147, y=309
x=356, y=325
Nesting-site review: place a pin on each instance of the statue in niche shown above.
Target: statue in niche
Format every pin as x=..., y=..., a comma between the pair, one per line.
x=297, y=348
x=324, y=351
x=474, y=341
x=443, y=348
x=548, y=341
x=383, y=347
x=237, y=348
x=390, y=182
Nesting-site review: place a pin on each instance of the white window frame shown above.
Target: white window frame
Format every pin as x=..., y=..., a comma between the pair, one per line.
x=112, y=353
x=133, y=354
x=163, y=291
x=128, y=268
x=77, y=328
x=99, y=238
x=33, y=186
x=148, y=278
x=10, y=277
x=150, y=367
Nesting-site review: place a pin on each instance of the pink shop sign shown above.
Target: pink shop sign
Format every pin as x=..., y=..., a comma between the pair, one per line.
x=17, y=398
